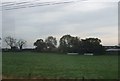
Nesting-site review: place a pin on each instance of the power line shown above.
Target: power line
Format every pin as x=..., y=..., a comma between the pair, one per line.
x=27, y=4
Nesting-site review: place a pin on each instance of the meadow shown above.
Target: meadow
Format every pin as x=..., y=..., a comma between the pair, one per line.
x=55, y=66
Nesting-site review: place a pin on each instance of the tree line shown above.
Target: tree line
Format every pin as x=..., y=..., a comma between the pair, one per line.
x=67, y=43
x=14, y=43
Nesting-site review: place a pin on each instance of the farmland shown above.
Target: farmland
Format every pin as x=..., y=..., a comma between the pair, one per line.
x=51, y=65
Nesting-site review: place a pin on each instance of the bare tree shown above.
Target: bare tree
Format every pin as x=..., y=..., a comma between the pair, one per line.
x=21, y=43
x=10, y=41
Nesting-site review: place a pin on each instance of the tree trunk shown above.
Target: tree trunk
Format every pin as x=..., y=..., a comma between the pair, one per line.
x=20, y=47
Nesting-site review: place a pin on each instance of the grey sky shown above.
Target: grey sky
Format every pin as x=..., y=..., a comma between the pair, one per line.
x=64, y=0
x=82, y=19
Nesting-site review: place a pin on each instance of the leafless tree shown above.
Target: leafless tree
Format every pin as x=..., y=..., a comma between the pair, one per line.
x=21, y=43
x=10, y=41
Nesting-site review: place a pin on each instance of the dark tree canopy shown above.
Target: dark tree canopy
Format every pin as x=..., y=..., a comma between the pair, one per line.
x=65, y=43
x=92, y=45
x=40, y=45
x=75, y=44
x=69, y=43
x=51, y=43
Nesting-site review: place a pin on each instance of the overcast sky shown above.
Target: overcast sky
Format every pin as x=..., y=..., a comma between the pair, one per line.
x=63, y=0
x=82, y=19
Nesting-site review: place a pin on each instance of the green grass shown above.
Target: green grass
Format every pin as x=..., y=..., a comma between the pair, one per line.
x=48, y=65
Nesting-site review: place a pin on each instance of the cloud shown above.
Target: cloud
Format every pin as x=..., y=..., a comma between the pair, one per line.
x=86, y=19
x=64, y=0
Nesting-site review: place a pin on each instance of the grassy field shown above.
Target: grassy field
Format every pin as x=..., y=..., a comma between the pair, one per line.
x=48, y=65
